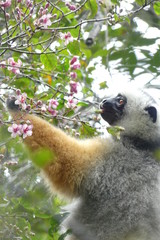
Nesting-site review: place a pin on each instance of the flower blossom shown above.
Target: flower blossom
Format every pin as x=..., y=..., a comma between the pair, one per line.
x=21, y=100
x=5, y=4
x=53, y=103
x=7, y=15
x=14, y=66
x=75, y=66
x=44, y=108
x=53, y=112
x=71, y=102
x=29, y=3
x=18, y=92
x=3, y=64
x=20, y=129
x=73, y=87
x=73, y=75
x=15, y=130
x=67, y=37
x=26, y=130
x=45, y=20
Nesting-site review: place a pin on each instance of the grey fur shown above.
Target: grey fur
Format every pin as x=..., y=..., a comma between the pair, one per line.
x=120, y=197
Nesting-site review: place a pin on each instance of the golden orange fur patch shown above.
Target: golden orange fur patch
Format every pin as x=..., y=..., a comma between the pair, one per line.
x=73, y=157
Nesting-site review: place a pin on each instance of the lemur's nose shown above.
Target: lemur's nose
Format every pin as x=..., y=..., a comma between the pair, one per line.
x=106, y=103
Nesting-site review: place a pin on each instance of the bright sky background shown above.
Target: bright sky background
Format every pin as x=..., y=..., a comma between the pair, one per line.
x=116, y=78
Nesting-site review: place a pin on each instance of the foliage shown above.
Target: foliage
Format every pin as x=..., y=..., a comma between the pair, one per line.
x=50, y=52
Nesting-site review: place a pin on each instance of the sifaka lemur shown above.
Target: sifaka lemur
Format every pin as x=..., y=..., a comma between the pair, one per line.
x=115, y=184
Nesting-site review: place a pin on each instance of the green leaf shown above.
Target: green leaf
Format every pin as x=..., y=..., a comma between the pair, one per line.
x=116, y=2
x=74, y=47
x=155, y=59
x=82, y=104
x=101, y=52
x=140, y=2
x=42, y=157
x=64, y=235
x=87, y=131
x=54, y=227
x=103, y=85
x=92, y=7
x=87, y=91
x=49, y=61
x=115, y=131
x=126, y=19
x=116, y=17
x=157, y=154
x=156, y=7
x=70, y=113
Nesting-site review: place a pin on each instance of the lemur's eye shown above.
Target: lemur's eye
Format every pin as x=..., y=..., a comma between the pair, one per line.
x=121, y=101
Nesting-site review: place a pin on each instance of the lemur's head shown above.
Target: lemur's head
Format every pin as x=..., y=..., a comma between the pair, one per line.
x=133, y=109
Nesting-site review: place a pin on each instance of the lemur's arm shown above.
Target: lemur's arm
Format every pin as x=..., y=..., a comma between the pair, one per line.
x=73, y=158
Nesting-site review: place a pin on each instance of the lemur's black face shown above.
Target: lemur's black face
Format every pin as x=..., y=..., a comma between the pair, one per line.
x=113, y=108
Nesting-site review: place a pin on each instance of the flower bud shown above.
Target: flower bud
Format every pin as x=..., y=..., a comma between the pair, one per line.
x=73, y=60
x=47, y=5
x=18, y=92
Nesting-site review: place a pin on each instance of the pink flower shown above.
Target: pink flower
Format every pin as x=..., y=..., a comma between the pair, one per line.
x=45, y=20
x=39, y=103
x=53, y=112
x=44, y=108
x=3, y=64
x=5, y=4
x=29, y=3
x=67, y=37
x=71, y=102
x=18, y=91
x=28, y=107
x=44, y=11
x=15, y=130
x=71, y=7
x=73, y=87
x=21, y=100
x=73, y=60
x=53, y=103
x=14, y=66
x=26, y=130
x=40, y=11
x=19, y=129
x=75, y=66
x=7, y=15
x=19, y=13
x=73, y=75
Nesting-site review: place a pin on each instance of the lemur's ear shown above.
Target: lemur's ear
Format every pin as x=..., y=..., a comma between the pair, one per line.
x=152, y=111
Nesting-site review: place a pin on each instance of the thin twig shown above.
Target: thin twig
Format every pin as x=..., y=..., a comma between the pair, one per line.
x=6, y=23
x=31, y=53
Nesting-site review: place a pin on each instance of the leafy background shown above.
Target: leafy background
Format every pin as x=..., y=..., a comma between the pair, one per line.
x=125, y=46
